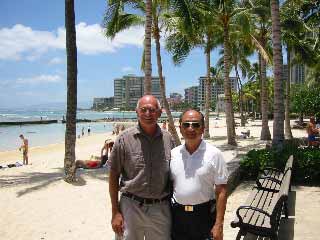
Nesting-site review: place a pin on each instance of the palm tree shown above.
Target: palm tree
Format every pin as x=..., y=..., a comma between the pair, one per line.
x=70, y=136
x=228, y=13
x=193, y=27
x=240, y=49
x=147, y=48
x=296, y=36
x=156, y=13
x=260, y=10
x=278, y=111
x=117, y=20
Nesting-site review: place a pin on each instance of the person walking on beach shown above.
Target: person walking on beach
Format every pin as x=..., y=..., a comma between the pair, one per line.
x=199, y=173
x=140, y=159
x=25, y=148
x=89, y=130
x=82, y=131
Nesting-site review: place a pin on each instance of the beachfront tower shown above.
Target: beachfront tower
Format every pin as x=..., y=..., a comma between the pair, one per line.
x=129, y=88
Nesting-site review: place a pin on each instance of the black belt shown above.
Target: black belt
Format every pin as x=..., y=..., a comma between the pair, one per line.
x=145, y=200
x=194, y=208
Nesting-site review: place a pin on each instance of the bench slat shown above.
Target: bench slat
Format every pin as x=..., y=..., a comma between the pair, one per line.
x=263, y=207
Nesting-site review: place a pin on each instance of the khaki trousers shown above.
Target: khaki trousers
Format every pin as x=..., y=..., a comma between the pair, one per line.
x=147, y=221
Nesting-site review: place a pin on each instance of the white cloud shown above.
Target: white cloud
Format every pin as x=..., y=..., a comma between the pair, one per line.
x=127, y=69
x=39, y=79
x=23, y=42
x=55, y=61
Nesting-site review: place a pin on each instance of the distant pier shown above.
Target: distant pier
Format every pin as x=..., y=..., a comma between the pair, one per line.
x=28, y=122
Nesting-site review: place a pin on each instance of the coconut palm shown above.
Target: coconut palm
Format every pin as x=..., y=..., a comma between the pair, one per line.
x=293, y=26
x=261, y=20
x=70, y=135
x=297, y=35
x=117, y=20
x=230, y=16
x=224, y=14
x=147, y=48
x=194, y=27
x=240, y=49
x=278, y=111
x=156, y=14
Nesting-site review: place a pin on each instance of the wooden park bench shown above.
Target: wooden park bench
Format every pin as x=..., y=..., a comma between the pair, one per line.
x=261, y=213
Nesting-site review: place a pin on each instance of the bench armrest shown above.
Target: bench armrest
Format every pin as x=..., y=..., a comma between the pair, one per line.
x=259, y=186
x=250, y=208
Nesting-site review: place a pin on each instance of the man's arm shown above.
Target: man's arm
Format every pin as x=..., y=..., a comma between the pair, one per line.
x=221, y=201
x=117, y=219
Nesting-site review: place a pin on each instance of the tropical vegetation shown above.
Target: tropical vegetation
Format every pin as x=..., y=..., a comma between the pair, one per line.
x=242, y=30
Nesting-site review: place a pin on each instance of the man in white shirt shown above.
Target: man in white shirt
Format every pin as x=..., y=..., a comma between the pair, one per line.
x=199, y=176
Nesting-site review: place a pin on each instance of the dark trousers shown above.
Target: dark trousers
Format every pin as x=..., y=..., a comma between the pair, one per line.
x=193, y=225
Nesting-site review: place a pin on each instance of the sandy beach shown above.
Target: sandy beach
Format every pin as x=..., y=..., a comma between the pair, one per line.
x=36, y=203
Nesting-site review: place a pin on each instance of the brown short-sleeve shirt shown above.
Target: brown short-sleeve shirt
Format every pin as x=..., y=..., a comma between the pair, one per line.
x=143, y=162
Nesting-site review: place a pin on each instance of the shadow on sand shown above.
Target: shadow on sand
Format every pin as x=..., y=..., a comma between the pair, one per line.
x=35, y=181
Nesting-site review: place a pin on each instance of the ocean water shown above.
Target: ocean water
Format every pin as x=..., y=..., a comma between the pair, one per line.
x=44, y=134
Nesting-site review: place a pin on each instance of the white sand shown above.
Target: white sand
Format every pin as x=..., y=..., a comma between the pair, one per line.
x=36, y=203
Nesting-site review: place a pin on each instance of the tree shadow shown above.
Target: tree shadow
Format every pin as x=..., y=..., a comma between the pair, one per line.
x=36, y=181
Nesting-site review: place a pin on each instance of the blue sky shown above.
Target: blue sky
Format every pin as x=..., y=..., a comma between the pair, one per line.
x=33, y=58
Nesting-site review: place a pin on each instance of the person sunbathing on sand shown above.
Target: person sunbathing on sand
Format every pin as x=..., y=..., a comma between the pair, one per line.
x=97, y=163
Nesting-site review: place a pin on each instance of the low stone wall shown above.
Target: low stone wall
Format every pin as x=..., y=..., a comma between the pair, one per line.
x=234, y=175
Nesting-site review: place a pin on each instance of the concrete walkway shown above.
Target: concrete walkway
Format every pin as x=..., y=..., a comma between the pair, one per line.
x=304, y=211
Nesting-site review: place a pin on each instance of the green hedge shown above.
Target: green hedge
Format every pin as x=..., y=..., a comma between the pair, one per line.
x=306, y=165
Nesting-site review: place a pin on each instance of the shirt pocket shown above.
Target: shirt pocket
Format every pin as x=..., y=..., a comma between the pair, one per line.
x=137, y=160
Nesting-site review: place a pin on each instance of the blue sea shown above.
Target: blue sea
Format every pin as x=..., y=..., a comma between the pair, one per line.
x=44, y=134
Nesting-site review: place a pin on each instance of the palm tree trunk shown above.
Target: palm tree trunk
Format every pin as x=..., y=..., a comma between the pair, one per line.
x=288, y=133
x=243, y=122
x=278, y=122
x=171, y=127
x=147, y=49
x=207, y=95
x=227, y=91
x=70, y=135
x=265, y=131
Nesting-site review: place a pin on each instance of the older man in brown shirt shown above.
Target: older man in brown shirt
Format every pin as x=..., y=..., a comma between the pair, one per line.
x=140, y=159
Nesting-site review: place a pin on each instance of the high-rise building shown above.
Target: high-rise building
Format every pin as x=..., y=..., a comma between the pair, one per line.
x=285, y=72
x=216, y=89
x=103, y=103
x=297, y=71
x=129, y=88
x=174, y=100
x=191, y=95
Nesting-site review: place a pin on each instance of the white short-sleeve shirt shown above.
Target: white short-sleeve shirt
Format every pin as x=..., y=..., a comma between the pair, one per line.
x=194, y=175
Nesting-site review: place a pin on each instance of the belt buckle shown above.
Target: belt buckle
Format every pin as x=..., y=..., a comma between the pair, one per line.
x=188, y=208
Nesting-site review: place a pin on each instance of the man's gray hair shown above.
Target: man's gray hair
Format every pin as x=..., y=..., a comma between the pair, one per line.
x=158, y=103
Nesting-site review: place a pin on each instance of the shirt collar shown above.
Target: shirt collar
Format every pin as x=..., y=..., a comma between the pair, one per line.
x=138, y=130
x=201, y=147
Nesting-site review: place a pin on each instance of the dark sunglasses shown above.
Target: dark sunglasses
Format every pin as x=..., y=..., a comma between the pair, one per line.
x=194, y=125
x=145, y=109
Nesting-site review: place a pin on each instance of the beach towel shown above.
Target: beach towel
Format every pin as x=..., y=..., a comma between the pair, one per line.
x=18, y=164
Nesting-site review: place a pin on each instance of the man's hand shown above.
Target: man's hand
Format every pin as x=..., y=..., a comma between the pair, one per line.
x=217, y=232
x=117, y=223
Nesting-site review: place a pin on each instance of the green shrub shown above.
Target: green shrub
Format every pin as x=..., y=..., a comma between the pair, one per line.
x=306, y=164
